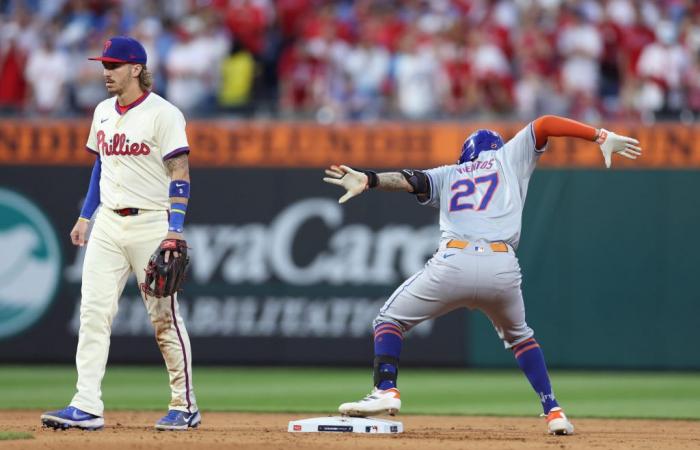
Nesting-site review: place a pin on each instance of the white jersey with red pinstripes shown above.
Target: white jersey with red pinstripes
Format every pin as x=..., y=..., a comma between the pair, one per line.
x=484, y=199
x=132, y=146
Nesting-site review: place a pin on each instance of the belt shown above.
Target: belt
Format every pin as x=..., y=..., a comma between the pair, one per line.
x=498, y=246
x=126, y=211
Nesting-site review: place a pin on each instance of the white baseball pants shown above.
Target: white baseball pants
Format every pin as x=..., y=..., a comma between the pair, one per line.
x=116, y=247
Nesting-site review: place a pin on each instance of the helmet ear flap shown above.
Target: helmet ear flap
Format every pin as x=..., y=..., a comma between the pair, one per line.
x=469, y=152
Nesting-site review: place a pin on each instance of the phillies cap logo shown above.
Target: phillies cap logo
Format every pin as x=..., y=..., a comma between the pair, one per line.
x=122, y=49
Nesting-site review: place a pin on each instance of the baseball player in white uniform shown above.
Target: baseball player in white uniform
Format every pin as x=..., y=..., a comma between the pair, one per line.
x=481, y=200
x=141, y=183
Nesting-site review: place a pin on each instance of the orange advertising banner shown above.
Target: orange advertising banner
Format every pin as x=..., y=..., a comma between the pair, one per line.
x=225, y=143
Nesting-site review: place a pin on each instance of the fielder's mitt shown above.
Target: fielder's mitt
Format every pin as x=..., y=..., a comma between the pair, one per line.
x=163, y=279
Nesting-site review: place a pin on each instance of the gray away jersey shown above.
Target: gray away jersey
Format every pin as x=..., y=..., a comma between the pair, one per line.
x=484, y=199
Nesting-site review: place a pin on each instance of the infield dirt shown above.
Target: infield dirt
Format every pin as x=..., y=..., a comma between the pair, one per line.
x=269, y=431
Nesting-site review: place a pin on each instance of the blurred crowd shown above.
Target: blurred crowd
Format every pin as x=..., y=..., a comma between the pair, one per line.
x=338, y=60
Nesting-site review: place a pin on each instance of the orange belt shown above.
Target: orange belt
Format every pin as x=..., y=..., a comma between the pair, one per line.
x=499, y=246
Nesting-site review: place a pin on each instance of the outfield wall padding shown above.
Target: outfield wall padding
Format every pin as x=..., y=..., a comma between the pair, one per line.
x=282, y=274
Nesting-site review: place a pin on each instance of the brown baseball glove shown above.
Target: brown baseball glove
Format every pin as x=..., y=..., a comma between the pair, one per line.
x=165, y=271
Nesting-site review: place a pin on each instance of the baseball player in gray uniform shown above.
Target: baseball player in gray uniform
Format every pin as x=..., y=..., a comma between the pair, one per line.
x=140, y=182
x=481, y=199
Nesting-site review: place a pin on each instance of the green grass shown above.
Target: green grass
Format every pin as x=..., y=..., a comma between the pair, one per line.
x=14, y=435
x=320, y=390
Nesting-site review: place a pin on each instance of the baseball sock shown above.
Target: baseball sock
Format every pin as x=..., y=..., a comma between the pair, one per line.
x=388, y=338
x=531, y=361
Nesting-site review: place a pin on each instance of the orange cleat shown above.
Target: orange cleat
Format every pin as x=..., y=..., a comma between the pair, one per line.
x=377, y=402
x=557, y=423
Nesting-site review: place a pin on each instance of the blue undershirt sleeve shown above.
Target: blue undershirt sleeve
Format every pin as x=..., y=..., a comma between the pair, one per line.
x=92, y=199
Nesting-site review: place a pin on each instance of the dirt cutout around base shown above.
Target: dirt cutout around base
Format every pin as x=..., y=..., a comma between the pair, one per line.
x=127, y=430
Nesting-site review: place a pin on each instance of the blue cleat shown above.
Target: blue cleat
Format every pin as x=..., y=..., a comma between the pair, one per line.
x=72, y=417
x=179, y=420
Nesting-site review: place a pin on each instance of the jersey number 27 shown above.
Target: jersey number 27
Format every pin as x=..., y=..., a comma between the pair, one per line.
x=466, y=188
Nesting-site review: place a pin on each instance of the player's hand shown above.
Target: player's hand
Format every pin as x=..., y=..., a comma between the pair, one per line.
x=172, y=235
x=78, y=234
x=351, y=180
x=614, y=143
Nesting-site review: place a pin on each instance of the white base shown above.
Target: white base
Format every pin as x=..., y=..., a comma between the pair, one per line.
x=343, y=424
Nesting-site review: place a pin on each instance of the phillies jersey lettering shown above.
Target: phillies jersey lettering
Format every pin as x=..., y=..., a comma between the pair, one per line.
x=120, y=145
x=484, y=199
x=132, y=147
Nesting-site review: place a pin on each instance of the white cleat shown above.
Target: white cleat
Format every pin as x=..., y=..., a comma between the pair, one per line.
x=557, y=423
x=377, y=402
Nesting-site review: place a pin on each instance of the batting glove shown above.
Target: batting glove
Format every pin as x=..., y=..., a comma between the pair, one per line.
x=614, y=143
x=354, y=182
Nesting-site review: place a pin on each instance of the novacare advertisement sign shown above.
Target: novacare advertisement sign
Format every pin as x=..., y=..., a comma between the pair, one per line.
x=30, y=263
x=280, y=273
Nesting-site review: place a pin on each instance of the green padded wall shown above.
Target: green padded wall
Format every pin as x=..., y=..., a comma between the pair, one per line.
x=611, y=271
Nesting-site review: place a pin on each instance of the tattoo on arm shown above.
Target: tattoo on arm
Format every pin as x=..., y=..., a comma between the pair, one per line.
x=178, y=167
x=393, y=181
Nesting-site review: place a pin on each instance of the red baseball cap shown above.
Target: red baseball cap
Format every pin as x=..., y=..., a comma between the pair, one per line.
x=122, y=49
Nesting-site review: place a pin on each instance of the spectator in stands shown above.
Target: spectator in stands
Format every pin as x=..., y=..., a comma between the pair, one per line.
x=420, y=79
x=12, y=81
x=692, y=83
x=19, y=35
x=635, y=34
x=580, y=46
x=453, y=53
x=492, y=73
x=48, y=89
x=237, y=74
x=163, y=43
x=367, y=67
x=246, y=21
x=505, y=58
x=193, y=63
x=188, y=75
x=335, y=91
x=301, y=77
x=146, y=32
x=661, y=67
x=89, y=86
x=690, y=30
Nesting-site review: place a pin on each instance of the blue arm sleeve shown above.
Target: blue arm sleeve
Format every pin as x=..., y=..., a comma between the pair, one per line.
x=92, y=199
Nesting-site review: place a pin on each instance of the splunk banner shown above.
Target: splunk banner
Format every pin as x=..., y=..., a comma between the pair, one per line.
x=234, y=144
x=280, y=273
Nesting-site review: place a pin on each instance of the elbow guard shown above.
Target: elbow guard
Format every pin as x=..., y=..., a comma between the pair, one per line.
x=418, y=181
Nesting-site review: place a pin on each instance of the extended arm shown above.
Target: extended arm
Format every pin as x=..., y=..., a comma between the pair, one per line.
x=550, y=126
x=393, y=182
x=355, y=182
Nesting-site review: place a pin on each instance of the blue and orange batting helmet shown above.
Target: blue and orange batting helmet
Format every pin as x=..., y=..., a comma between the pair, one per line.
x=479, y=141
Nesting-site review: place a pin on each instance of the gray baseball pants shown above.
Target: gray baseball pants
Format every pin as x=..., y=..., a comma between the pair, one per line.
x=475, y=277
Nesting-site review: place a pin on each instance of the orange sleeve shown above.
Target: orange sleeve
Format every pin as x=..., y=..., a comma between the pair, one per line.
x=547, y=126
